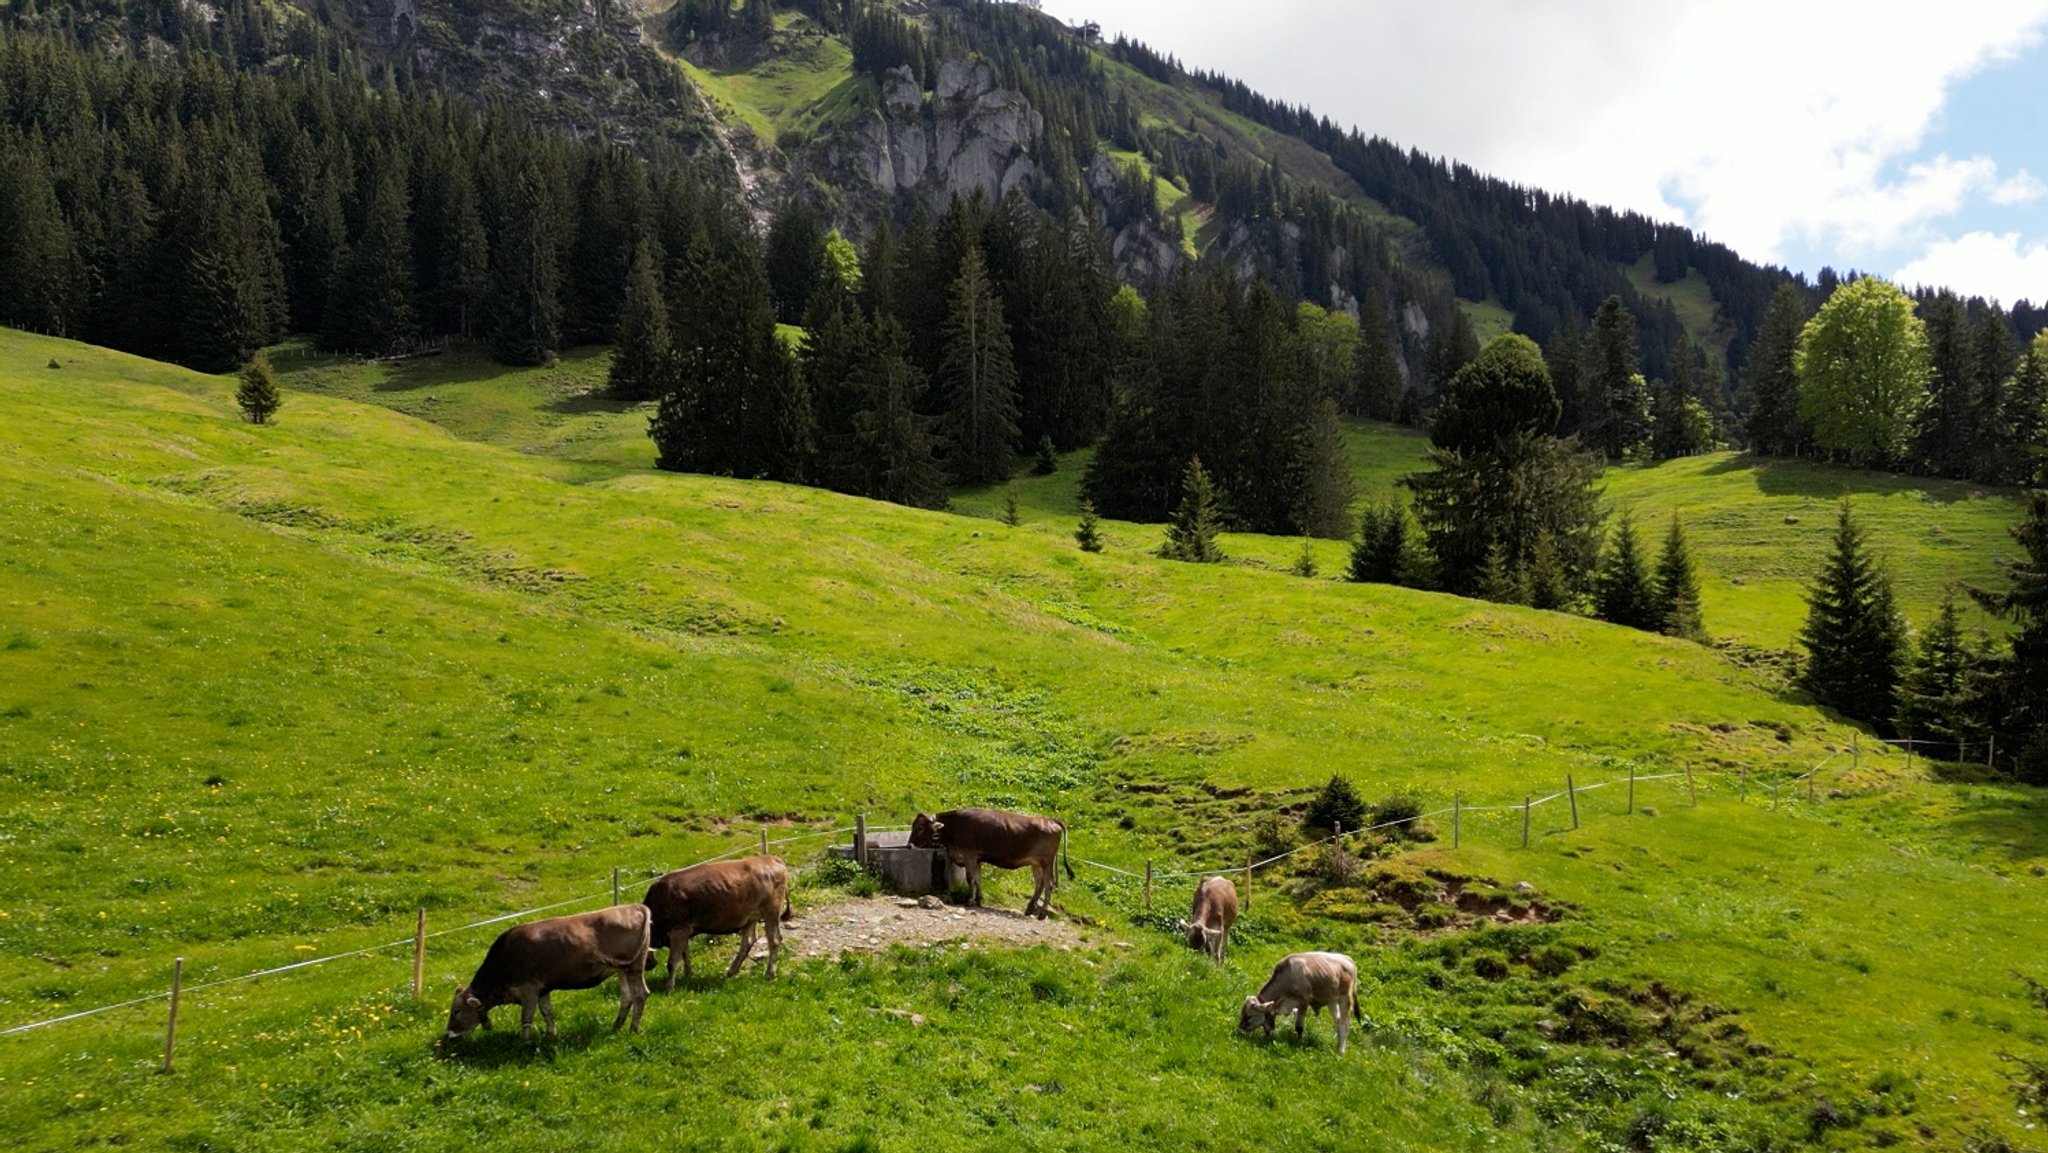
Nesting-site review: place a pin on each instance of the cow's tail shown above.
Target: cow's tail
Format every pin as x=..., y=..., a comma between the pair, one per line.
x=788, y=909
x=1064, y=859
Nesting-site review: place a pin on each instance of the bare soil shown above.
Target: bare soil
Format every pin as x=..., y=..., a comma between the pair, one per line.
x=872, y=924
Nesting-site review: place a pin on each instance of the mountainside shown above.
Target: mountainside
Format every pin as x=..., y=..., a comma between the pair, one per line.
x=283, y=685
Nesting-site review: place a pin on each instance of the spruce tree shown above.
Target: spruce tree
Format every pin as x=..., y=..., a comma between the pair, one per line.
x=1305, y=560
x=1383, y=552
x=891, y=442
x=1191, y=534
x=643, y=361
x=1853, y=637
x=1550, y=588
x=1678, y=588
x=2025, y=604
x=1088, y=534
x=370, y=307
x=40, y=274
x=1047, y=461
x=257, y=392
x=1772, y=378
x=1623, y=593
x=1499, y=581
x=1013, y=515
x=525, y=300
x=978, y=380
x=795, y=259
x=1616, y=411
x=2023, y=423
x=1941, y=697
x=1945, y=433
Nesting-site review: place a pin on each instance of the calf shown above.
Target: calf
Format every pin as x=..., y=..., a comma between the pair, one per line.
x=1305, y=981
x=528, y=962
x=1215, y=911
x=1005, y=840
x=715, y=899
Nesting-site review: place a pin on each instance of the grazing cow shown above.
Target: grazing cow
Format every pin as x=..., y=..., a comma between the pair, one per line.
x=1005, y=840
x=1215, y=912
x=1305, y=981
x=718, y=898
x=527, y=962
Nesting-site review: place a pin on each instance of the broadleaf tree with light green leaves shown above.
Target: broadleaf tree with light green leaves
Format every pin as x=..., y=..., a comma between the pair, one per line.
x=1863, y=366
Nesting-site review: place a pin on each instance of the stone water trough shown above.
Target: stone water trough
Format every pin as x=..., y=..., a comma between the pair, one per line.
x=903, y=867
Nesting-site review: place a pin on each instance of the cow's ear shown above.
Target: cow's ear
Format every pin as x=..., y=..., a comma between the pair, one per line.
x=937, y=826
x=471, y=1000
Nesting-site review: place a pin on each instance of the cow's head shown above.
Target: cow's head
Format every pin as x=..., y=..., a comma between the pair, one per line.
x=924, y=831
x=467, y=1013
x=1255, y=1014
x=1201, y=936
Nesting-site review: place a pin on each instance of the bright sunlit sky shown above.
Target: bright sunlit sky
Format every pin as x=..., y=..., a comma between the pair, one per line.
x=1907, y=140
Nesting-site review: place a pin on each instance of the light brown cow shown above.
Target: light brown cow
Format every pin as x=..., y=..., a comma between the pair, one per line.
x=527, y=962
x=971, y=837
x=718, y=898
x=1215, y=911
x=1302, y=982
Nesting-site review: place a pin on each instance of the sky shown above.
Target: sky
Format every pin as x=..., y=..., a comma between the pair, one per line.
x=1904, y=140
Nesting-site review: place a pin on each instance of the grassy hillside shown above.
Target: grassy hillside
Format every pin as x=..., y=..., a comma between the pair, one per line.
x=268, y=689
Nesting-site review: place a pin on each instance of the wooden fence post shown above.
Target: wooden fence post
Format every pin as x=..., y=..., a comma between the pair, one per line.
x=860, y=839
x=1525, y=820
x=1337, y=833
x=1572, y=793
x=1247, y=880
x=1909, y=754
x=419, y=955
x=764, y=840
x=171, y=1025
x=1691, y=791
x=1148, y=882
x=1991, y=752
x=1631, y=787
x=1457, y=817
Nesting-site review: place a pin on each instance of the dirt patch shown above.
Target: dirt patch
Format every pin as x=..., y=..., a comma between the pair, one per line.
x=872, y=924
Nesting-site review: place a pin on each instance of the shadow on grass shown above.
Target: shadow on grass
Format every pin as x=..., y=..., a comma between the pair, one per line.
x=586, y=403
x=504, y=1046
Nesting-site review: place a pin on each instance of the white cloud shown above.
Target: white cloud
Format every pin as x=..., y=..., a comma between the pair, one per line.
x=2022, y=188
x=1764, y=123
x=1996, y=265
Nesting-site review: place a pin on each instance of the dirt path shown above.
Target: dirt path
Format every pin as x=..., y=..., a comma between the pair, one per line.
x=871, y=924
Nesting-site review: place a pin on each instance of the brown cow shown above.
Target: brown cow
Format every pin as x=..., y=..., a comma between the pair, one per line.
x=1215, y=911
x=718, y=898
x=1303, y=982
x=527, y=962
x=1005, y=840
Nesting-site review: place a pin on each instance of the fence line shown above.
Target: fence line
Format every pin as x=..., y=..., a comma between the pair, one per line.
x=1148, y=876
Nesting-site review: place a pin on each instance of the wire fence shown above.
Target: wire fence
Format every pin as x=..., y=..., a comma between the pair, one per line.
x=1246, y=867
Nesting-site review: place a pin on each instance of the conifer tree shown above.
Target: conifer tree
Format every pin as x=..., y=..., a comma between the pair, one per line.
x=1941, y=697
x=1305, y=560
x=1323, y=493
x=1550, y=588
x=979, y=381
x=2024, y=417
x=1191, y=534
x=1623, y=593
x=1088, y=533
x=40, y=275
x=256, y=391
x=1013, y=515
x=892, y=449
x=1945, y=432
x=643, y=361
x=1499, y=581
x=1616, y=411
x=1375, y=390
x=1678, y=588
x=1383, y=554
x=370, y=307
x=1853, y=636
x=2025, y=604
x=1771, y=375
x=778, y=426
x=1047, y=460
x=795, y=259
x=526, y=278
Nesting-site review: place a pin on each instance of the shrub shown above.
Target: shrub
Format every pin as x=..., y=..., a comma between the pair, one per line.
x=1402, y=808
x=1552, y=960
x=1272, y=836
x=1335, y=865
x=1338, y=802
x=1490, y=965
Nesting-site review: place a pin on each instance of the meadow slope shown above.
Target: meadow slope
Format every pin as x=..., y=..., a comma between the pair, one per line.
x=267, y=690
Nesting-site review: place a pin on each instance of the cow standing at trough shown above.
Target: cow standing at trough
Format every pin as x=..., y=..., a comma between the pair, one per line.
x=1302, y=982
x=528, y=962
x=1215, y=911
x=718, y=898
x=971, y=837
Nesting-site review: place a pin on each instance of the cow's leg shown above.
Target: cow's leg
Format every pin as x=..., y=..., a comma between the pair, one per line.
x=974, y=881
x=686, y=954
x=1341, y=1014
x=547, y=1013
x=1041, y=891
x=1300, y=1019
x=678, y=946
x=527, y=1004
x=746, y=950
x=774, y=926
x=632, y=994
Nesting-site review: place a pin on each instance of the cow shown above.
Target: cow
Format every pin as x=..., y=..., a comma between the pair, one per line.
x=1302, y=982
x=1005, y=840
x=718, y=898
x=1215, y=911
x=528, y=962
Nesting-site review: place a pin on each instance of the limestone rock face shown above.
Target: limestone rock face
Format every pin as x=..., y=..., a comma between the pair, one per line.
x=969, y=134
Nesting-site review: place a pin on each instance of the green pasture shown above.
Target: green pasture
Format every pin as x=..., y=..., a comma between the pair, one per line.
x=265, y=691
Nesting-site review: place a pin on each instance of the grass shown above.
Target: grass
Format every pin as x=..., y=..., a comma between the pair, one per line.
x=270, y=689
x=803, y=73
